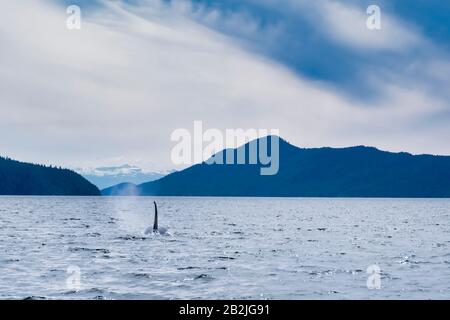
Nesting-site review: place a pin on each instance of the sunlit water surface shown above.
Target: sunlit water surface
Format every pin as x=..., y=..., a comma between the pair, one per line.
x=223, y=248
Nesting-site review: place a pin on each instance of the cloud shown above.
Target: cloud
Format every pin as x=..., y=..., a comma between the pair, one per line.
x=117, y=88
x=341, y=21
x=328, y=40
x=347, y=25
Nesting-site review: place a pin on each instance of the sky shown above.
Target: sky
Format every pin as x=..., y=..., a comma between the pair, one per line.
x=113, y=92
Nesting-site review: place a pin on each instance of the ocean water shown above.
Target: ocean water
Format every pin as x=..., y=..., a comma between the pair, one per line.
x=224, y=248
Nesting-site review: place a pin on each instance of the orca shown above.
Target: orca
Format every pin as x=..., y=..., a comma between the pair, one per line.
x=156, y=229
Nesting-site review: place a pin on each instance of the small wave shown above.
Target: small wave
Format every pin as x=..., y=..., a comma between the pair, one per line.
x=140, y=275
x=203, y=276
x=334, y=271
x=333, y=292
x=35, y=298
x=112, y=220
x=221, y=268
x=93, y=234
x=72, y=219
x=81, y=249
x=188, y=268
x=133, y=238
x=67, y=293
x=222, y=258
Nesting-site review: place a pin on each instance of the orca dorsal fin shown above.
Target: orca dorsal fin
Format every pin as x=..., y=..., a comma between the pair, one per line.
x=155, y=224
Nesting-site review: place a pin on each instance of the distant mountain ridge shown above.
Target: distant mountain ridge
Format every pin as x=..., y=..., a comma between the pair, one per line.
x=19, y=178
x=320, y=172
x=104, y=177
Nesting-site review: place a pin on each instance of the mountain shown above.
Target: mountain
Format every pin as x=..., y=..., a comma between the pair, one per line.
x=18, y=178
x=320, y=172
x=104, y=177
